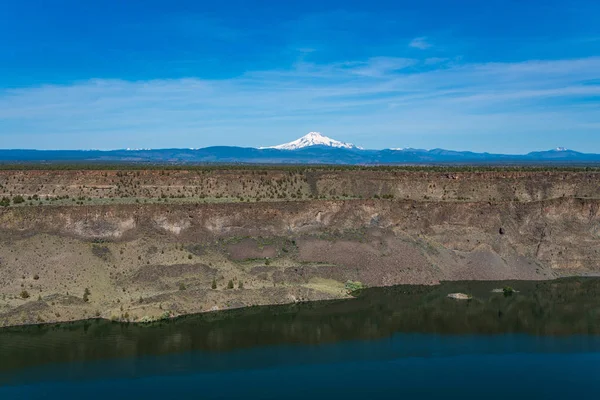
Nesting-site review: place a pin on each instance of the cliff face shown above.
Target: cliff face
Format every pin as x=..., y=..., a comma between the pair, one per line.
x=204, y=252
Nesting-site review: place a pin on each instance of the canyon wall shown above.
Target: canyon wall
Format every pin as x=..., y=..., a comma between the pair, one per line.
x=141, y=245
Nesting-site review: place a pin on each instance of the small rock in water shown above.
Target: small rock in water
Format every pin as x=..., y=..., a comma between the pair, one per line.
x=460, y=296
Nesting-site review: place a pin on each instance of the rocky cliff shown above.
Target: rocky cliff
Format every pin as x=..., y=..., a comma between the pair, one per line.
x=140, y=245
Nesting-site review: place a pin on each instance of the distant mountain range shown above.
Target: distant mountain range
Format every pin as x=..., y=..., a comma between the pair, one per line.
x=312, y=148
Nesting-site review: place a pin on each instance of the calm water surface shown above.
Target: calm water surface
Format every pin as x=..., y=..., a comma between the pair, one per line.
x=401, y=342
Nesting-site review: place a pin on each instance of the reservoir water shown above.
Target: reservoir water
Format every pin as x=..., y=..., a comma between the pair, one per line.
x=398, y=342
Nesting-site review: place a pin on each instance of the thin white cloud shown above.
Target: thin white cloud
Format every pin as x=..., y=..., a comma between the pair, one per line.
x=420, y=43
x=380, y=95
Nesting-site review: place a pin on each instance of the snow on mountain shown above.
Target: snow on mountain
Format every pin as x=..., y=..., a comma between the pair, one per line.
x=313, y=139
x=561, y=149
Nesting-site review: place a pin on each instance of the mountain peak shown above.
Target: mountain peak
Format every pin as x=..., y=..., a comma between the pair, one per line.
x=313, y=139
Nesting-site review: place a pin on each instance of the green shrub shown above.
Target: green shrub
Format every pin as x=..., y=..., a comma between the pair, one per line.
x=86, y=295
x=5, y=202
x=230, y=284
x=352, y=286
x=24, y=294
x=214, y=284
x=18, y=199
x=508, y=291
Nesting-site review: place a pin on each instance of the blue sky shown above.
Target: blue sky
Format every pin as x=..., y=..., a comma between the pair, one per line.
x=497, y=76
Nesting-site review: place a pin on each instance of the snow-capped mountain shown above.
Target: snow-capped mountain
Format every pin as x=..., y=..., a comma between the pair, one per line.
x=313, y=139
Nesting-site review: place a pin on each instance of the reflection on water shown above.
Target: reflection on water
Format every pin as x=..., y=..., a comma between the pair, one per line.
x=549, y=312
